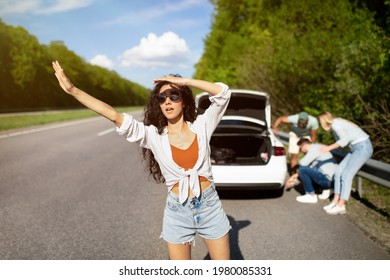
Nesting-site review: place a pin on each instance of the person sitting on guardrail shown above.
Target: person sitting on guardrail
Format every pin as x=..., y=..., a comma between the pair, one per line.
x=315, y=167
x=304, y=125
x=346, y=133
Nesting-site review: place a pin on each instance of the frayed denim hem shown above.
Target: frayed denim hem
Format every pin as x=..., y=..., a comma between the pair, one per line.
x=191, y=241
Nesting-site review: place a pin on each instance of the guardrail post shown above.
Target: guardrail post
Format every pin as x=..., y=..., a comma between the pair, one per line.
x=359, y=185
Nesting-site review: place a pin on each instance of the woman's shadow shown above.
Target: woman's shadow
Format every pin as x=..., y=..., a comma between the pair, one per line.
x=235, y=252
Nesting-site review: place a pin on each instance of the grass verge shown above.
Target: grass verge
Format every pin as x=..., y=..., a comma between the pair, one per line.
x=371, y=212
x=16, y=121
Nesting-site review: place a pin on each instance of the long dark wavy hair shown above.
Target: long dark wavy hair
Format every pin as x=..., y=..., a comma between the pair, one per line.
x=154, y=116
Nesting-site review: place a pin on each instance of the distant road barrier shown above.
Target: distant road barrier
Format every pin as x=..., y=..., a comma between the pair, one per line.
x=373, y=170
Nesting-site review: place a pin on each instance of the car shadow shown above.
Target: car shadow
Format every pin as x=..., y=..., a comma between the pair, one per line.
x=235, y=252
x=250, y=194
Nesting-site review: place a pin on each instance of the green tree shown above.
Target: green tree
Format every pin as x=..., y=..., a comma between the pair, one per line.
x=28, y=82
x=313, y=55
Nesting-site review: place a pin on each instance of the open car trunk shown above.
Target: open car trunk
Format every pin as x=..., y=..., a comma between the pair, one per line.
x=237, y=148
x=242, y=136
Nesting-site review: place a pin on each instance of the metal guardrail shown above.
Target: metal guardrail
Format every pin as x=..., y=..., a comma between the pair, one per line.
x=373, y=170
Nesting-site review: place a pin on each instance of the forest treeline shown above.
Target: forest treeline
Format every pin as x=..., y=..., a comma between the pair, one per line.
x=311, y=55
x=27, y=80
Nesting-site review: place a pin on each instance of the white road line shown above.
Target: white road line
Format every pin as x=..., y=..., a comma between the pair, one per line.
x=106, y=131
x=27, y=131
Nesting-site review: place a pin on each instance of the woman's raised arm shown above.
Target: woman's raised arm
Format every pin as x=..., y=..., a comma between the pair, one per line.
x=206, y=86
x=84, y=98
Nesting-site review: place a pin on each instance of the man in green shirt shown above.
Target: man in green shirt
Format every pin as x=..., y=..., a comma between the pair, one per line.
x=303, y=126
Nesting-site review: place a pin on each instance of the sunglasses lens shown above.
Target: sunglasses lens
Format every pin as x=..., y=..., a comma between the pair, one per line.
x=173, y=96
x=161, y=97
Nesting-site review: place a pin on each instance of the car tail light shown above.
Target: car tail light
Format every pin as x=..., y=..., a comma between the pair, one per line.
x=279, y=151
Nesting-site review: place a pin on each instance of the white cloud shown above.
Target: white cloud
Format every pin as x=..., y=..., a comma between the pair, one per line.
x=168, y=50
x=41, y=6
x=103, y=61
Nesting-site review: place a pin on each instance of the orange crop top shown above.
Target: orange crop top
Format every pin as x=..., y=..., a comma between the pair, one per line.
x=187, y=158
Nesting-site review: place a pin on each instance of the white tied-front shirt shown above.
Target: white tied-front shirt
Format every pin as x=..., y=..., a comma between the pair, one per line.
x=203, y=127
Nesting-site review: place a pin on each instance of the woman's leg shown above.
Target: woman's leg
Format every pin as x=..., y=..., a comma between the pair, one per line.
x=337, y=177
x=219, y=249
x=360, y=153
x=179, y=251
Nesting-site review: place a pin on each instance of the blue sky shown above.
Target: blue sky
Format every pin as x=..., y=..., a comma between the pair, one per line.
x=139, y=39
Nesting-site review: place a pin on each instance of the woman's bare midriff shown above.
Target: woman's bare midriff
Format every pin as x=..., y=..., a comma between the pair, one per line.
x=203, y=185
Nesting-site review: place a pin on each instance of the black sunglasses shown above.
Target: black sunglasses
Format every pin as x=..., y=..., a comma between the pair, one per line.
x=173, y=95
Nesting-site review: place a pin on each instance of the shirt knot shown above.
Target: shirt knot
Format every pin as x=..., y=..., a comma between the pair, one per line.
x=190, y=181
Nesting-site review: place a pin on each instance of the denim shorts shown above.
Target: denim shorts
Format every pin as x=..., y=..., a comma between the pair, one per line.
x=203, y=215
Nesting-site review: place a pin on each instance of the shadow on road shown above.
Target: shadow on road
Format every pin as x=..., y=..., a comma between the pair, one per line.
x=235, y=252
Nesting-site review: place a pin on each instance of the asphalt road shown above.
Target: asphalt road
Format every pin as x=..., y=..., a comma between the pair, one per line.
x=79, y=191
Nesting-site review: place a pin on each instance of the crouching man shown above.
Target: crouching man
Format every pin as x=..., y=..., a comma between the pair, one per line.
x=314, y=168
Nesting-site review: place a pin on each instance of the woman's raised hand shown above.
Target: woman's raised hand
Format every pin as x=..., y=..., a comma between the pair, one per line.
x=172, y=79
x=63, y=80
x=211, y=88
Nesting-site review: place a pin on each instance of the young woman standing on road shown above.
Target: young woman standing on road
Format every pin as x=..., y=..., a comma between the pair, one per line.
x=346, y=133
x=175, y=143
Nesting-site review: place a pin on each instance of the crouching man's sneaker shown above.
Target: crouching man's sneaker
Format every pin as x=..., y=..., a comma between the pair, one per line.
x=307, y=198
x=336, y=210
x=325, y=194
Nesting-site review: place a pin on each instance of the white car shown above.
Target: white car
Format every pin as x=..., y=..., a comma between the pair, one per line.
x=245, y=152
